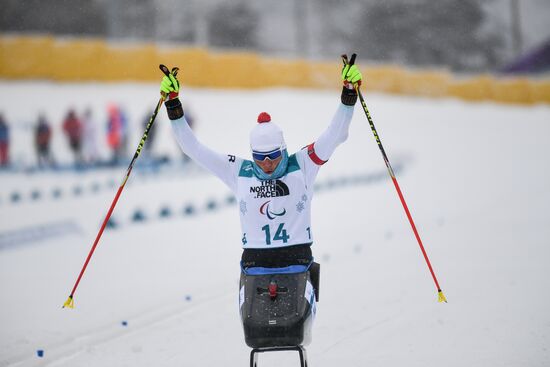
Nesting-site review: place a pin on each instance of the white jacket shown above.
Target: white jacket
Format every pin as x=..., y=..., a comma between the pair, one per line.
x=273, y=213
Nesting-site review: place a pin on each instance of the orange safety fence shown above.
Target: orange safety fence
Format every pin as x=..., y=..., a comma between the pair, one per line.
x=87, y=59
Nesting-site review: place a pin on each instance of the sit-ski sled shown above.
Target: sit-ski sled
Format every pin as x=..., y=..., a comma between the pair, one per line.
x=277, y=307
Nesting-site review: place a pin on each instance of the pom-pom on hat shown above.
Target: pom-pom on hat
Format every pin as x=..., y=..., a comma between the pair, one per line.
x=266, y=135
x=264, y=117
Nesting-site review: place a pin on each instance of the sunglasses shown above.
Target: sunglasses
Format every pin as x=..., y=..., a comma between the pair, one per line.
x=274, y=154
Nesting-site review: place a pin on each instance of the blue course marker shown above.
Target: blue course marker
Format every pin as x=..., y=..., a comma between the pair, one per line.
x=77, y=190
x=112, y=223
x=40, y=353
x=211, y=205
x=189, y=210
x=138, y=216
x=165, y=212
x=15, y=197
x=56, y=193
x=35, y=195
x=95, y=187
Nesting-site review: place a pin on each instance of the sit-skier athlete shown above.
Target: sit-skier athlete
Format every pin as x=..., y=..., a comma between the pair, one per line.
x=274, y=189
x=274, y=192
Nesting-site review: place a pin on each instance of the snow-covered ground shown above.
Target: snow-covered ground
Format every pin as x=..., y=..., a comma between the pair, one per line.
x=476, y=178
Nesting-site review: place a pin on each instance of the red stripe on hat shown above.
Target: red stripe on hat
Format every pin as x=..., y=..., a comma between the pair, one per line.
x=264, y=117
x=314, y=157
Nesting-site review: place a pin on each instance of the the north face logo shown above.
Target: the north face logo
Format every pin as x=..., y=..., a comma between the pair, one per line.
x=270, y=189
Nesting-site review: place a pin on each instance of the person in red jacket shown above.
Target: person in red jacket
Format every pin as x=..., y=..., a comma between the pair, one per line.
x=116, y=132
x=72, y=127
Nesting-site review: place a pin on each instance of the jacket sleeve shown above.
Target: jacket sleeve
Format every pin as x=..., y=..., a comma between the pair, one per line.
x=318, y=153
x=225, y=167
x=335, y=134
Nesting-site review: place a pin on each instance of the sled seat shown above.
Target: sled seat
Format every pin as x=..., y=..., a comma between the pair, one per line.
x=277, y=305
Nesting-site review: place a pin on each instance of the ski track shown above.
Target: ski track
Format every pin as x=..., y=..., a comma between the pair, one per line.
x=355, y=333
x=478, y=192
x=64, y=353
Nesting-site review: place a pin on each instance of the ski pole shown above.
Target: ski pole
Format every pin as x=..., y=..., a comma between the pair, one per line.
x=69, y=303
x=441, y=296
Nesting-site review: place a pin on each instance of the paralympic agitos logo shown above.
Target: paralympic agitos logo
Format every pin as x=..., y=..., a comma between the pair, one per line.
x=269, y=189
x=264, y=210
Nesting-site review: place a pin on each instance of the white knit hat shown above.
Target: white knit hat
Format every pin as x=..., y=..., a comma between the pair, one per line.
x=266, y=136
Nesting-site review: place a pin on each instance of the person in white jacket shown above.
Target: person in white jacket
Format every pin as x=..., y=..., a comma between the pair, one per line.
x=274, y=189
x=89, y=138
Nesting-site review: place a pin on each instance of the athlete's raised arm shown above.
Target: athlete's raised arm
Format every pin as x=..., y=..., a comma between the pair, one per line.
x=337, y=131
x=318, y=153
x=221, y=165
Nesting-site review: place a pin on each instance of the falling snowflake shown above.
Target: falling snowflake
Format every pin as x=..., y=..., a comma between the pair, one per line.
x=243, y=209
x=300, y=206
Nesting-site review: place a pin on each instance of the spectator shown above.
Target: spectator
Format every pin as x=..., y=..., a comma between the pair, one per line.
x=73, y=130
x=4, y=142
x=89, y=132
x=116, y=132
x=42, y=139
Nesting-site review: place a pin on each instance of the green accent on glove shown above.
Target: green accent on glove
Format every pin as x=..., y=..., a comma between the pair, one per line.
x=351, y=74
x=169, y=84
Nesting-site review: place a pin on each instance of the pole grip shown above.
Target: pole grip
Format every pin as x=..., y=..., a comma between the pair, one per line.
x=351, y=61
x=344, y=59
x=166, y=71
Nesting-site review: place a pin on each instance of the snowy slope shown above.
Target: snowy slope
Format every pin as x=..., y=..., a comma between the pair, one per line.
x=475, y=176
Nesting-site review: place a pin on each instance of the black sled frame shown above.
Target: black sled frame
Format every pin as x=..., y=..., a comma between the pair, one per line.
x=300, y=349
